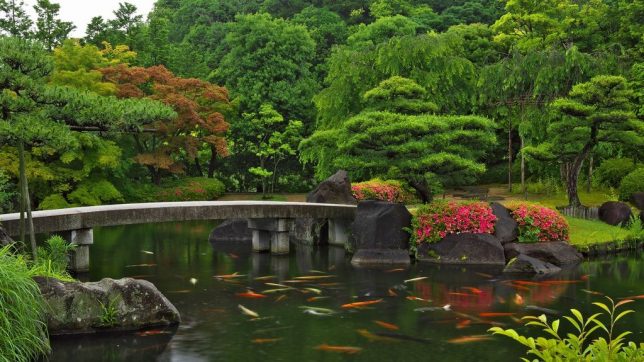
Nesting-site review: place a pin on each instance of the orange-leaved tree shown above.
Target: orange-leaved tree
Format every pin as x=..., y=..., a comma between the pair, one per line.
x=174, y=146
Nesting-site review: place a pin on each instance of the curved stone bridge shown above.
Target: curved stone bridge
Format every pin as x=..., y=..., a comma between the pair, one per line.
x=269, y=220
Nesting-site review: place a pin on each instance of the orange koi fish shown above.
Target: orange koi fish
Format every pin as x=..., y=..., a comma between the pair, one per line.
x=361, y=304
x=229, y=276
x=584, y=277
x=473, y=290
x=315, y=299
x=525, y=282
x=373, y=337
x=634, y=297
x=394, y=270
x=391, y=293
x=339, y=349
x=521, y=287
x=468, y=339
x=411, y=297
x=265, y=340
x=518, y=299
x=250, y=294
x=389, y=326
x=153, y=332
x=463, y=294
x=464, y=323
x=495, y=314
x=314, y=277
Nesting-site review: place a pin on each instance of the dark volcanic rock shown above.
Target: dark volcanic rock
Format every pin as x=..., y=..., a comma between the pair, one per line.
x=638, y=200
x=558, y=253
x=464, y=249
x=231, y=230
x=74, y=307
x=614, y=213
x=506, y=228
x=310, y=231
x=334, y=190
x=5, y=239
x=378, y=233
x=524, y=264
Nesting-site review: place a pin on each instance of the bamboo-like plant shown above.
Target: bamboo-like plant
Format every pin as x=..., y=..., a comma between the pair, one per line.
x=580, y=346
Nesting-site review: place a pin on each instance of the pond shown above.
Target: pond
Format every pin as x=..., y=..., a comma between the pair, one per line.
x=408, y=321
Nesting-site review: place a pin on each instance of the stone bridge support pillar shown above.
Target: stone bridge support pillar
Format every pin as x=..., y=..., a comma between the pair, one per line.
x=82, y=238
x=270, y=234
x=339, y=230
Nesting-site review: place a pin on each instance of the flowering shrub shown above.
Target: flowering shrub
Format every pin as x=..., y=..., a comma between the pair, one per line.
x=376, y=189
x=192, y=189
x=435, y=221
x=539, y=223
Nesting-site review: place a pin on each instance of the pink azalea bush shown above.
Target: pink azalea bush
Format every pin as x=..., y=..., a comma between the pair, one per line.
x=539, y=224
x=377, y=189
x=433, y=222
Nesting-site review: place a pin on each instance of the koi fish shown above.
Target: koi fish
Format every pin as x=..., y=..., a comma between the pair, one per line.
x=389, y=326
x=315, y=299
x=634, y=297
x=265, y=340
x=147, y=252
x=411, y=297
x=473, y=290
x=251, y=295
x=484, y=275
x=361, y=304
x=521, y=287
x=328, y=284
x=446, y=308
x=468, y=339
x=314, y=277
x=518, y=299
x=294, y=281
x=316, y=313
x=394, y=270
x=233, y=256
x=525, y=282
x=403, y=337
x=278, y=285
x=414, y=279
x=464, y=323
x=269, y=291
x=462, y=294
x=140, y=265
x=339, y=349
x=322, y=310
x=316, y=291
x=534, y=308
x=280, y=298
x=373, y=337
x=584, y=277
x=268, y=277
x=247, y=311
x=193, y=281
x=495, y=314
x=391, y=293
x=558, y=282
x=591, y=292
x=317, y=271
x=153, y=332
x=229, y=276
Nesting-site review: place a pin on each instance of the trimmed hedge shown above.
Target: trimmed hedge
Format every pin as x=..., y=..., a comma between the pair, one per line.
x=436, y=220
x=539, y=224
x=376, y=189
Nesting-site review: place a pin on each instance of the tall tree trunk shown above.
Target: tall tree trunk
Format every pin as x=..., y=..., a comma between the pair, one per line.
x=422, y=190
x=524, y=190
x=590, y=175
x=198, y=167
x=25, y=202
x=572, y=177
x=21, y=177
x=510, y=156
x=274, y=176
x=264, y=183
x=213, y=162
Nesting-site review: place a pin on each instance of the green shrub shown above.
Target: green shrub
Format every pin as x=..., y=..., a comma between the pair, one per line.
x=53, y=258
x=23, y=332
x=611, y=172
x=632, y=183
x=192, y=189
x=583, y=345
x=91, y=193
x=7, y=193
x=55, y=201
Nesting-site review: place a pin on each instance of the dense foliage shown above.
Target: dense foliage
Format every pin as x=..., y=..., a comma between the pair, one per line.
x=434, y=221
x=376, y=189
x=631, y=183
x=538, y=223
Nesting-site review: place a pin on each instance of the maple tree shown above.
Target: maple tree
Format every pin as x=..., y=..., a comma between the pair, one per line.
x=200, y=123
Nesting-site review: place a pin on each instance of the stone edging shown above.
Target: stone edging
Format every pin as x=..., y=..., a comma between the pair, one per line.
x=610, y=248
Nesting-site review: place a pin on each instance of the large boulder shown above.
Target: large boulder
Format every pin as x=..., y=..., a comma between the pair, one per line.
x=506, y=228
x=558, y=253
x=334, y=190
x=379, y=235
x=5, y=239
x=638, y=200
x=524, y=264
x=124, y=304
x=614, y=213
x=231, y=230
x=464, y=249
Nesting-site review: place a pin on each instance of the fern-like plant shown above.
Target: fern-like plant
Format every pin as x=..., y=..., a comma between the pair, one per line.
x=580, y=346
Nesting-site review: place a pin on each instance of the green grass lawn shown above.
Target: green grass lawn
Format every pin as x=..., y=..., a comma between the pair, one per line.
x=586, y=232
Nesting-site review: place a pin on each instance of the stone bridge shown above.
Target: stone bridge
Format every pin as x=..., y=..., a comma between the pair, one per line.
x=270, y=221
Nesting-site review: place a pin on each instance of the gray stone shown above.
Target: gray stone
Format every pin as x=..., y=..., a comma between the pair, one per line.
x=614, y=213
x=231, y=230
x=380, y=225
x=5, y=239
x=74, y=307
x=464, y=249
x=558, y=253
x=334, y=190
x=524, y=264
x=310, y=231
x=380, y=256
x=638, y=200
x=506, y=228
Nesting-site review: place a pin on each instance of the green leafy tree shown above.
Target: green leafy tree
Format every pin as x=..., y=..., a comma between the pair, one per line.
x=14, y=20
x=50, y=30
x=598, y=111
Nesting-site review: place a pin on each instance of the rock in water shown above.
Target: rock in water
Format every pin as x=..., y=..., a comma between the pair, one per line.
x=379, y=233
x=5, y=239
x=524, y=264
x=558, y=253
x=124, y=304
x=334, y=190
x=506, y=228
x=614, y=213
x=231, y=230
x=638, y=200
x=464, y=249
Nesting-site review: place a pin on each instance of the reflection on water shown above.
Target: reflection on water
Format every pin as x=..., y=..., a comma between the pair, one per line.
x=408, y=321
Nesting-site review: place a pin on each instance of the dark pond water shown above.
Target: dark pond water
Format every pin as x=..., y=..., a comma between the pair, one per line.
x=214, y=329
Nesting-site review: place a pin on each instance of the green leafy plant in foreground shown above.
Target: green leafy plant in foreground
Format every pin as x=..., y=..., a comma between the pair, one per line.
x=109, y=312
x=580, y=346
